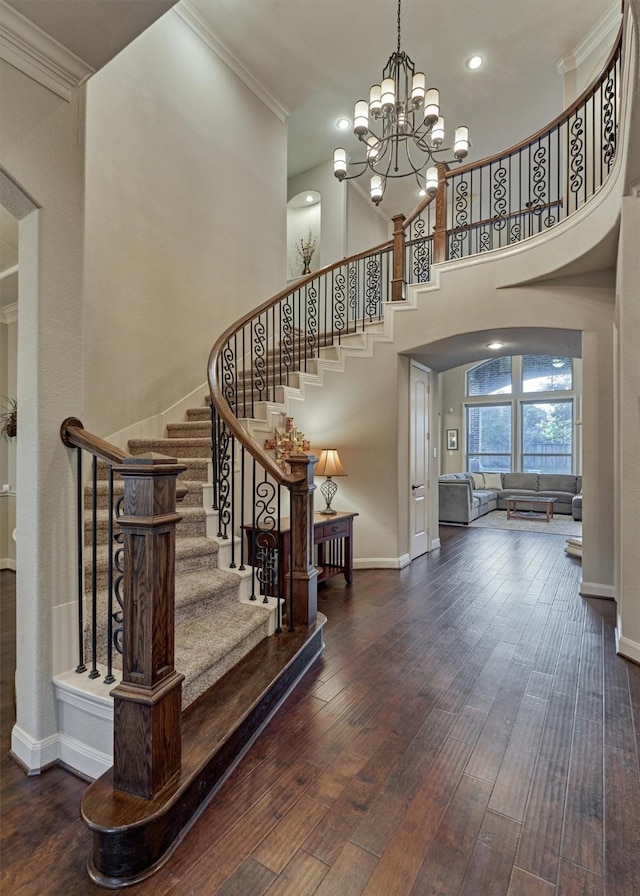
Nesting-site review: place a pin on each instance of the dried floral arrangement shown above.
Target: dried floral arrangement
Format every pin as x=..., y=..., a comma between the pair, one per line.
x=286, y=442
x=305, y=249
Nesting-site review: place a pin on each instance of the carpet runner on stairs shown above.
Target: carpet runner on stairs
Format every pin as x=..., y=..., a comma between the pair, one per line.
x=213, y=628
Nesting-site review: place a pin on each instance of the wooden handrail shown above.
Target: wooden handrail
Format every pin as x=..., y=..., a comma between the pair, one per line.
x=225, y=413
x=74, y=435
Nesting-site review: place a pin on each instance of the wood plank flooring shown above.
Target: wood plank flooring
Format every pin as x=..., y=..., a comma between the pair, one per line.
x=468, y=731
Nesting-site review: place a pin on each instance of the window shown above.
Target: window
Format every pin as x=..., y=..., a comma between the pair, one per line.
x=490, y=378
x=530, y=428
x=489, y=437
x=546, y=373
x=547, y=430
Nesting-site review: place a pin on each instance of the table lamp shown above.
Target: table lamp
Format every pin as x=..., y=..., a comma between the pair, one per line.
x=329, y=465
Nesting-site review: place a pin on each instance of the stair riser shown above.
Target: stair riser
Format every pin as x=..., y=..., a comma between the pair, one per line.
x=187, y=527
x=183, y=564
x=178, y=448
x=193, y=498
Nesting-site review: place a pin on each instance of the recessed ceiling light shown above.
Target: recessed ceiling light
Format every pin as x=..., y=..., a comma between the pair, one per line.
x=474, y=62
x=494, y=346
x=422, y=193
x=309, y=198
x=343, y=123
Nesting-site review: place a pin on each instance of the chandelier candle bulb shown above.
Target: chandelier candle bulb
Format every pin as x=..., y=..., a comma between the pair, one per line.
x=388, y=95
x=461, y=142
x=376, y=188
x=340, y=163
x=431, y=181
x=361, y=118
x=437, y=133
x=375, y=104
x=418, y=87
x=373, y=148
x=431, y=106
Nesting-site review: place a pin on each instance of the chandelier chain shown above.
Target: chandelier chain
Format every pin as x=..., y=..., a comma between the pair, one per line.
x=399, y=3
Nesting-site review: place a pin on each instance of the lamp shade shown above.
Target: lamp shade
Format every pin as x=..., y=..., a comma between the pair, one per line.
x=329, y=464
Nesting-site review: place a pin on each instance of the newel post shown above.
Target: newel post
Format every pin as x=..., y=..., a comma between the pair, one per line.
x=398, y=279
x=147, y=702
x=440, y=230
x=305, y=575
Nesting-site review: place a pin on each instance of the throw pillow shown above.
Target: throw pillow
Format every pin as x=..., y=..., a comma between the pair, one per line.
x=478, y=480
x=493, y=480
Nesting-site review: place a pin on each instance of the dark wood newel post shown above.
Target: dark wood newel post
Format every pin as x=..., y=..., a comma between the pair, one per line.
x=398, y=279
x=147, y=702
x=440, y=230
x=305, y=576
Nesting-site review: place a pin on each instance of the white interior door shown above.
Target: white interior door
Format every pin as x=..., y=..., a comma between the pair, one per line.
x=419, y=461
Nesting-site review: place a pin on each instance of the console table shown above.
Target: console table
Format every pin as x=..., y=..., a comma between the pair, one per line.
x=333, y=537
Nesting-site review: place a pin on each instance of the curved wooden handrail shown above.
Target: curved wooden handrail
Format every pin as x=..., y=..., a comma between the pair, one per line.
x=74, y=435
x=228, y=417
x=420, y=207
x=565, y=115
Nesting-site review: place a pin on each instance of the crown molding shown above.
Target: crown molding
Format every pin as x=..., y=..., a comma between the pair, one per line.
x=191, y=17
x=36, y=54
x=609, y=21
x=9, y=314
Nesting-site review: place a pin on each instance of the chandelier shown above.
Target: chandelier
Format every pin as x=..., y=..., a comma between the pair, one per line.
x=401, y=129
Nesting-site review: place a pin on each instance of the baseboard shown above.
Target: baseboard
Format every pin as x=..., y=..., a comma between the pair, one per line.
x=627, y=648
x=382, y=562
x=596, y=589
x=435, y=544
x=33, y=755
x=82, y=759
x=7, y=563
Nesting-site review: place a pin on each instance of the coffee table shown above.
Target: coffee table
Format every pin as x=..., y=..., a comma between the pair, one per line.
x=514, y=511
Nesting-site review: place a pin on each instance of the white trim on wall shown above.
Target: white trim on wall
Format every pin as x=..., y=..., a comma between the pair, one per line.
x=39, y=56
x=9, y=314
x=597, y=589
x=382, y=562
x=191, y=17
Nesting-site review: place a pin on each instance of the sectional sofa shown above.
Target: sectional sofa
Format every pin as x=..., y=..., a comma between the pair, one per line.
x=464, y=497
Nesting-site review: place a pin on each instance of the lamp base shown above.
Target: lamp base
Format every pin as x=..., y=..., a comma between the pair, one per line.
x=328, y=490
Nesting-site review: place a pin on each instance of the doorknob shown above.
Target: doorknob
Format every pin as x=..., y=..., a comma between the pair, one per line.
x=414, y=487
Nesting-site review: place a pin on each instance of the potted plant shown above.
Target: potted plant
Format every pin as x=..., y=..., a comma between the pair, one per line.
x=8, y=417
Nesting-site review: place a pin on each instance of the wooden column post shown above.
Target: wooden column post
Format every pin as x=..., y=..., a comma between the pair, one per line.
x=398, y=280
x=147, y=703
x=440, y=230
x=305, y=575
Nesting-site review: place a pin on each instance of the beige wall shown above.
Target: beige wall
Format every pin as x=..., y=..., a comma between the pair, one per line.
x=42, y=154
x=366, y=227
x=333, y=237
x=185, y=221
x=627, y=427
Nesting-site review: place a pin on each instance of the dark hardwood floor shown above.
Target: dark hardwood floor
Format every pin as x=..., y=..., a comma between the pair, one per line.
x=469, y=731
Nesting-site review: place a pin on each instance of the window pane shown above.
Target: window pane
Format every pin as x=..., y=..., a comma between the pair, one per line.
x=489, y=438
x=546, y=373
x=490, y=378
x=547, y=436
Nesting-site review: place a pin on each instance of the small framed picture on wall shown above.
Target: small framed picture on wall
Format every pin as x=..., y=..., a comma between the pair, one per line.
x=452, y=440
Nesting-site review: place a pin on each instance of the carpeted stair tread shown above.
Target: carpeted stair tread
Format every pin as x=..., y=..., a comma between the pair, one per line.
x=178, y=448
x=193, y=522
x=206, y=648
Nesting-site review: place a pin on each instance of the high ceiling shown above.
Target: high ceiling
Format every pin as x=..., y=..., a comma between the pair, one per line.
x=319, y=56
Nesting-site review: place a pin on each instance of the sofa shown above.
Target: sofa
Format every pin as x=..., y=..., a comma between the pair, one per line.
x=463, y=497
